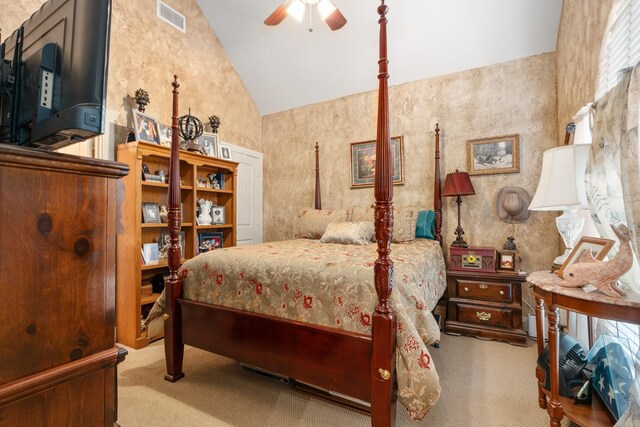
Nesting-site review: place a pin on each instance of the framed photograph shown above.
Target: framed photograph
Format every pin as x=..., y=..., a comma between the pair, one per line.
x=146, y=128
x=209, y=142
x=150, y=213
x=150, y=253
x=508, y=260
x=164, y=243
x=599, y=249
x=225, y=152
x=363, y=162
x=209, y=241
x=217, y=181
x=500, y=154
x=164, y=133
x=218, y=215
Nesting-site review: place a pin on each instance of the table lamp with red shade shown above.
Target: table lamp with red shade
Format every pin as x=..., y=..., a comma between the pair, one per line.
x=458, y=184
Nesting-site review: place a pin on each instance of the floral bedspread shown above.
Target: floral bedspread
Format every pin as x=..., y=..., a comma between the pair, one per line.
x=332, y=285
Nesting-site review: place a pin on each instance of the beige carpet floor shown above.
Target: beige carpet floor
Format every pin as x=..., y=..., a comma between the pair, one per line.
x=484, y=383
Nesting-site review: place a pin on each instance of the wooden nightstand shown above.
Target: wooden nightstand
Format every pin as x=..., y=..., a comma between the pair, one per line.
x=486, y=305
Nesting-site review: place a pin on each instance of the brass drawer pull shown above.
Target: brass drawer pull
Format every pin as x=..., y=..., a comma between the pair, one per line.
x=483, y=286
x=466, y=289
x=501, y=292
x=483, y=316
x=384, y=374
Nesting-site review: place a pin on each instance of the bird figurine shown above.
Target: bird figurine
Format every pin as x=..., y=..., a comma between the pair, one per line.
x=602, y=274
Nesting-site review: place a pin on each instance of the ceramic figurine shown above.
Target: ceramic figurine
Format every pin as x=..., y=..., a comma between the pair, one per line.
x=164, y=214
x=510, y=244
x=205, y=212
x=602, y=274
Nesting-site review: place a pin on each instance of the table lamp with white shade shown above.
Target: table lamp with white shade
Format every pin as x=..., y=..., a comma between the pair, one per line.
x=562, y=188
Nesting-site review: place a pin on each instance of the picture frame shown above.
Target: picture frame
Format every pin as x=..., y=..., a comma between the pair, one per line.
x=498, y=154
x=150, y=213
x=218, y=215
x=225, y=152
x=164, y=243
x=145, y=128
x=209, y=241
x=217, y=181
x=150, y=253
x=165, y=133
x=599, y=248
x=363, y=159
x=508, y=260
x=209, y=143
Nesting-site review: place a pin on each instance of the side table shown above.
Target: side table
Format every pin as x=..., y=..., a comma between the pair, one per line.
x=486, y=305
x=550, y=297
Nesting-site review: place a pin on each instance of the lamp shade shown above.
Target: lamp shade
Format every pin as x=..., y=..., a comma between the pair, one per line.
x=561, y=186
x=458, y=184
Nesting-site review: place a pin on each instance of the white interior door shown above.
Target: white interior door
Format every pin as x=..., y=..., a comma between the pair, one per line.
x=249, y=195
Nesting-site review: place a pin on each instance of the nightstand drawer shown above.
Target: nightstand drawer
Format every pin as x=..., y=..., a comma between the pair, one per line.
x=483, y=290
x=482, y=315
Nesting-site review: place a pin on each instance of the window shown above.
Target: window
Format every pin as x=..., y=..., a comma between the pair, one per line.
x=621, y=44
x=620, y=50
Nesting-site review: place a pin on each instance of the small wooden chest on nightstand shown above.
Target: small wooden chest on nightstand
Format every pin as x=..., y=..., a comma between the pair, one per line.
x=486, y=305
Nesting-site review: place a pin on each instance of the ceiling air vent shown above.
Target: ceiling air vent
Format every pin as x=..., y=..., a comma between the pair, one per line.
x=172, y=16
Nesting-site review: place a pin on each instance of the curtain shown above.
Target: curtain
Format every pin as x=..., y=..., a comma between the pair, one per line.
x=613, y=190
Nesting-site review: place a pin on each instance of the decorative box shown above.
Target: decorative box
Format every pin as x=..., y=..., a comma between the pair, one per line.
x=611, y=361
x=473, y=258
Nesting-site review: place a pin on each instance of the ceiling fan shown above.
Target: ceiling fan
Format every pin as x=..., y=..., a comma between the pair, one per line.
x=296, y=8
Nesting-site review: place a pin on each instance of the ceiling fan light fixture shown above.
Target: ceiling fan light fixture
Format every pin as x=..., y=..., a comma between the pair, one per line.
x=296, y=10
x=326, y=8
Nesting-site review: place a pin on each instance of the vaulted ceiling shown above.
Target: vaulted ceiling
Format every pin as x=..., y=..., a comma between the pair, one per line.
x=288, y=66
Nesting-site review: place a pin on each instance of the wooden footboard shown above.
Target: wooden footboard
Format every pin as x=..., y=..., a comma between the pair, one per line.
x=329, y=358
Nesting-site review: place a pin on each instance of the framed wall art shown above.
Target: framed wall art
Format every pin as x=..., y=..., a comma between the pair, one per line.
x=363, y=162
x=599, y=249
x=500, y=154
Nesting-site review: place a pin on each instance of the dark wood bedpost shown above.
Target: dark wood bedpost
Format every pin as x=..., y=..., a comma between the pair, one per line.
x=318, y=201
x=383, y=375
x=437, y=191
x=173, y=344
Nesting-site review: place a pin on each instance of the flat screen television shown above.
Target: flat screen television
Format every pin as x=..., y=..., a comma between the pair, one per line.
x=53, y=75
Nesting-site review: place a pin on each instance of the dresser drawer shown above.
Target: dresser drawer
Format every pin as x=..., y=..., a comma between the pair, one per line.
x=481, y=315
x=485, y=291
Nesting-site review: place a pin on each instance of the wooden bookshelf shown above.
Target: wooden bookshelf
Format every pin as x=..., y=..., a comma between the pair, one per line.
x=133, y=232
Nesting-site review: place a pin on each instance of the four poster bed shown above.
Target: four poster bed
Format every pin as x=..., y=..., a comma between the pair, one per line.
x=352, y=349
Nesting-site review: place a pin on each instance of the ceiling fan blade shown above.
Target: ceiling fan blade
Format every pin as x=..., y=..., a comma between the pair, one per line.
x=278, y=15
x=336, y=20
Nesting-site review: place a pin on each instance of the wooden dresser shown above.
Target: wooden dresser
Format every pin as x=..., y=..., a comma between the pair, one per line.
x=57, y=323
x=486, y=305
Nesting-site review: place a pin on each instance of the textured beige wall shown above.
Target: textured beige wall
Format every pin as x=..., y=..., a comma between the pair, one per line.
x=513, y=97
x=145, y=52
x=582, y=25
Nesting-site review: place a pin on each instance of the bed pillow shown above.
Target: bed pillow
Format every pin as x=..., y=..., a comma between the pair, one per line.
x=348, y=233
x=312, y=223
x=404, y=222
x=425, y=224
x=359, y=214
x=404, y=225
